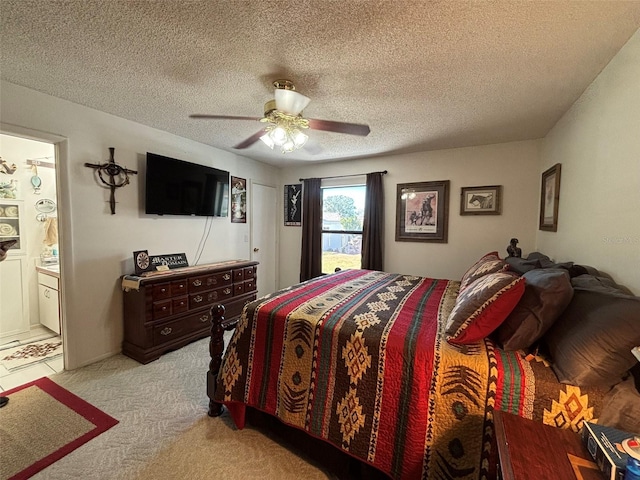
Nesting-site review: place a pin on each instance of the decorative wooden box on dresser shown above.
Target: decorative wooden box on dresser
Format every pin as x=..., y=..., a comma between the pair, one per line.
x=166, y=310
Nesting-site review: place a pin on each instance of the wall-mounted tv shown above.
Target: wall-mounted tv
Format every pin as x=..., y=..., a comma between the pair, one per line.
x=176, y=187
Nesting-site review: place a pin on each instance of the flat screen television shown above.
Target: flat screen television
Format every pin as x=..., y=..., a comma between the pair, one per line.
x=176, y=187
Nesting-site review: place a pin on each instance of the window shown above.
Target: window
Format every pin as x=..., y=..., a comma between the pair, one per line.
x=342, y=218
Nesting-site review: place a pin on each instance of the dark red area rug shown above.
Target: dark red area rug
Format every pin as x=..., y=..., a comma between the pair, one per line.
x=42, y=423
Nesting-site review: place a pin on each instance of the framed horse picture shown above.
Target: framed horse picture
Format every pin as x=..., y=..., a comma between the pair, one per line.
x=422, y=213
x=481, y=200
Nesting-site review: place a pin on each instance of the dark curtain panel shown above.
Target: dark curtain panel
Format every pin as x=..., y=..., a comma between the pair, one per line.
x=373, y=227
x=311, y=260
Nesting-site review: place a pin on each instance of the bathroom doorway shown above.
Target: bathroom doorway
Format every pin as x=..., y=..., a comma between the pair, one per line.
x=31, y=328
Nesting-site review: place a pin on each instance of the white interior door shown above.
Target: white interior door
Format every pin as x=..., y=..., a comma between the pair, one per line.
x=263, y=236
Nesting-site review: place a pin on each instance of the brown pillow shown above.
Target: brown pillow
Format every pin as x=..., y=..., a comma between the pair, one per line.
x=489, y=263
x=621, y=408
x=547, y=293
x=590, y=344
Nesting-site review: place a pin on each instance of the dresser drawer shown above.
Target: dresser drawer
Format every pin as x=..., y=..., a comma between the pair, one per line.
x=181, y=327
x=161, y=309
x=205, y=298
x=179, y=287
x=238, y=289
x=249, y=286
x=249, y=272
x=234, y=307
x=207, y=282
x=180, y=304
x=238, y=275
x=161, y=291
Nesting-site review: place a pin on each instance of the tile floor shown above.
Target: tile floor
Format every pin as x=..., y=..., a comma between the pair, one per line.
x=20, y=376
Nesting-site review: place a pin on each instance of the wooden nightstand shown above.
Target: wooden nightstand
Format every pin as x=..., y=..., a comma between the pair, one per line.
x=529, y=450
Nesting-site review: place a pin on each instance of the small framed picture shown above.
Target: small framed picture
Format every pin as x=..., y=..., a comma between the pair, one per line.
x=481, y=200
x=422, y=213
x=238, y=200
x=549, y=197
x=293, y=205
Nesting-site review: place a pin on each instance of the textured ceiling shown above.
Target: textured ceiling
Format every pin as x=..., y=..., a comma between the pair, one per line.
x=423, y=75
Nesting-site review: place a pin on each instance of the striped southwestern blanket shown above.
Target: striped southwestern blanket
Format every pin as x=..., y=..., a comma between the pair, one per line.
x=358, y=358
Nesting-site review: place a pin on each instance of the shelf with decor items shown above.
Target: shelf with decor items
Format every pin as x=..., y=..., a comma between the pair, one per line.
x=11, y=228
x=166, y=310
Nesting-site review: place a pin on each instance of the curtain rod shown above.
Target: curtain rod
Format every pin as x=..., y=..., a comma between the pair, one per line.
x=384, y=172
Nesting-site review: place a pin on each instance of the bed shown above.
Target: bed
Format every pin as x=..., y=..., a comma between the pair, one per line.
x=400, y=372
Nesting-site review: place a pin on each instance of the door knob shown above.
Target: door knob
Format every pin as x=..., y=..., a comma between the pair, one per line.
x=256, y=249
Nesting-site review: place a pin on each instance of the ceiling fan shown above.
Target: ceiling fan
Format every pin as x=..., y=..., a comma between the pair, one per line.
x=285, y=123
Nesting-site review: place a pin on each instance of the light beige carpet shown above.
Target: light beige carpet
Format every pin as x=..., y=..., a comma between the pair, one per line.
x=164, y=431
x=214, y=449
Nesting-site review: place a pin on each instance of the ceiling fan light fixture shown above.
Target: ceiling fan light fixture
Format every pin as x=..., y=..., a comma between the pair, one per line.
x=266, y=138
x=290, y=101
x=279, y=136
x=299, y=138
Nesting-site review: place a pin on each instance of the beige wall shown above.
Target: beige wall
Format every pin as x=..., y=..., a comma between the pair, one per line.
x=515, y=166
x=96, y=246
x=598, y=144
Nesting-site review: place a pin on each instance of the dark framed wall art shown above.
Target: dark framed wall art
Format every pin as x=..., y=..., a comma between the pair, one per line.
x=238, y=200
x=549, y=198
x=293, y=205
x=422, y=212
x=481, y=200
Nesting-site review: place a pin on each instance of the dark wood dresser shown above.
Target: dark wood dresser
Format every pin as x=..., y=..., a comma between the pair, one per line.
x=166, y=310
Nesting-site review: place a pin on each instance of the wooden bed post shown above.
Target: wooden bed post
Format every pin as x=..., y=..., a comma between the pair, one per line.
x=216, y=348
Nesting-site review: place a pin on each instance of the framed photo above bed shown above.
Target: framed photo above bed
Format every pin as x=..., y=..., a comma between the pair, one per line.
x=422, y=213
x=481, y=200
x=549, y=196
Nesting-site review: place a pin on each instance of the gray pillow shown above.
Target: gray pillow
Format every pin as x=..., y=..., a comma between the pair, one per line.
x=521, y=265
x=590, y=344
x=547, y=293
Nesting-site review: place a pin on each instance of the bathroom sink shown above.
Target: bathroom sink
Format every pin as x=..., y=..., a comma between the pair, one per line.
x=53, y=268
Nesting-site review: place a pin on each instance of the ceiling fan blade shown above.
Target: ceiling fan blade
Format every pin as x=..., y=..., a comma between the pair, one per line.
x=221, y=117
x=339, y=127
x=250, y=141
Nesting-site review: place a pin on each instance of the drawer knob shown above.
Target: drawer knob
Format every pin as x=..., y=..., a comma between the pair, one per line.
x=165, y=331
x=164, y=307
x=204, y=318
x=226, y=276
x=197, y=299
x=227, y=291
x=196, y=283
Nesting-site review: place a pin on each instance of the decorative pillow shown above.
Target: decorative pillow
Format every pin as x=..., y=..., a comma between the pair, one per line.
x=483, y=306
x=489, y=263
x=590, y=344
x=547, y=293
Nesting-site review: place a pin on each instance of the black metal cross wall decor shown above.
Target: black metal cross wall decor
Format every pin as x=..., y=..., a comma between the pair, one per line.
x=118, y=176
